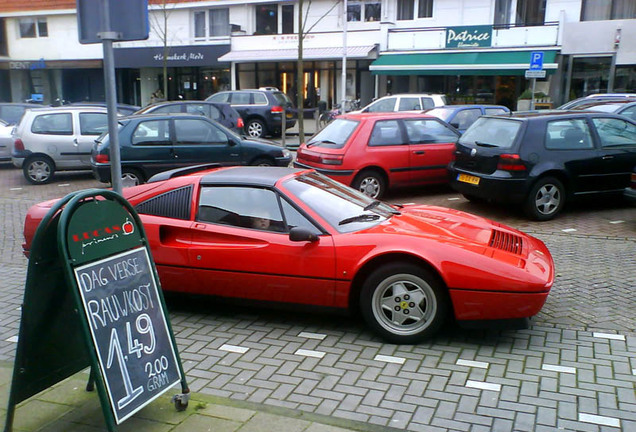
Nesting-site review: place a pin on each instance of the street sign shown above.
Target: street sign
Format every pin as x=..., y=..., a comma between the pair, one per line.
x=127, y=18
x=535, y=73
x=536, y=61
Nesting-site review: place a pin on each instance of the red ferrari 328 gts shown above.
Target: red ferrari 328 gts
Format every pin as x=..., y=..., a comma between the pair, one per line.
x=289, y=235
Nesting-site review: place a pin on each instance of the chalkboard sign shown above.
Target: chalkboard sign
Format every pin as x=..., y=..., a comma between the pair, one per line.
x=129, y=330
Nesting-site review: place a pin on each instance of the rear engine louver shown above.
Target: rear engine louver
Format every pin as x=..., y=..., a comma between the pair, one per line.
x=506, y=241
x=174, y=204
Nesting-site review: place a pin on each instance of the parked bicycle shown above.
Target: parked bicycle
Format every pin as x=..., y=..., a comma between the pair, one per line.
x=328, y=116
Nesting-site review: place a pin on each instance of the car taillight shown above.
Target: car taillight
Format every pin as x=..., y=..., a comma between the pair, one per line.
x=331, y=159
x=18, y=145
x=277, y=109
x=511, y=162
x=240, y=123
x=102, y=158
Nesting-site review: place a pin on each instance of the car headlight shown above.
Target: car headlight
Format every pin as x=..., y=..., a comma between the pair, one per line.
x=286, y=153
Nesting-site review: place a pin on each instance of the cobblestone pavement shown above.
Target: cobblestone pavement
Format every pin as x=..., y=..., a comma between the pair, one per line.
x=574, y=369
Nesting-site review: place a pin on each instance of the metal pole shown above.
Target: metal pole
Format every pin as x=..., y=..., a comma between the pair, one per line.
x=343, y=107
x=108, y=37
x=534, y=83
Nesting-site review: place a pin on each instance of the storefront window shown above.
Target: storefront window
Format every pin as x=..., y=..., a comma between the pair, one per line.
x=625, y=79
x=267, y=19
x=589, y=75
x=530, y=12
x=596, y=10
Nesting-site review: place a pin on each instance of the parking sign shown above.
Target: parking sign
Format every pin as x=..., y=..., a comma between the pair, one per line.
x=536, y=60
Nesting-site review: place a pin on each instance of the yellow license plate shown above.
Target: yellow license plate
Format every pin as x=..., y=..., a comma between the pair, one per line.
x=468, y=179
x=290, y=115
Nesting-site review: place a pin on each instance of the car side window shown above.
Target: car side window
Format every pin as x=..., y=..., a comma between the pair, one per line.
x=385, y=105
x=93, y=123
x=571, y=134
x=386, y=133
x=428, y=131
x=615, y=132
x=220, y=97
x=152, y=132
x=260, y=99
x=495, y=111
x=295, y=219
x=167, y=109
x=193, y=131
x=215, y=114
x=630, y=113
x=201, y=109
x=427, y=103
x=53, y=124
x=409, y=104
x=243, y=207
x=240, y=98
x=466, y=117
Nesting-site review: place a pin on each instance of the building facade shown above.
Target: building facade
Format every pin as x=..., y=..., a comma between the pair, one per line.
x=470, y=50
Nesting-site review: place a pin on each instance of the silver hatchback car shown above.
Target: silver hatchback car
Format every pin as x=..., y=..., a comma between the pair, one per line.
x=56, y=139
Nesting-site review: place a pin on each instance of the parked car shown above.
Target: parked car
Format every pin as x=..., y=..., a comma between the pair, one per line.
x=6, y=140
x=217, y=111
x=598, y=97
x=11, y=112
x=630, y=191
x=280, y=235
x=153, y=143
x=543, y=160
x=462, y=116
x=405, y=102
x=122, y=109
x=625, y=108
x=47, y=140
x=375, y=152
x=261, y=110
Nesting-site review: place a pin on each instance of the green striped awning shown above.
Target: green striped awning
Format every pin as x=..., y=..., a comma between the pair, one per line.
x=460, y=63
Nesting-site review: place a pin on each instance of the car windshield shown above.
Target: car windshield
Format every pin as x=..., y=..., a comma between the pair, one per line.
x=441, y=113
x=603, y=107
x=334, y=135
x=491, y=132
x=345, y=209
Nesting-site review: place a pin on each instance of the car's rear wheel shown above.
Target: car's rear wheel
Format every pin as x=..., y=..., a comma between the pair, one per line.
x=131, y=177
x=404, y=303
x=38, y=169
x=255, y=128
x=370, y=182
x=545, y=200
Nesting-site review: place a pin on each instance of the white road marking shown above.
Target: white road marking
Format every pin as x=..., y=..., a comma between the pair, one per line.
x=234, y=349
x=599, y=420
x=483, y=385
x=310, y=353
x=471, y=363
x=308, y=335
x=557, y=368
x=609, y=336
x=389, y=359
x=569, y=230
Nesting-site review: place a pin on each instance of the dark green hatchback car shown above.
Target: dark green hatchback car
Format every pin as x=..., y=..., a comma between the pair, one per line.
x=154, y=143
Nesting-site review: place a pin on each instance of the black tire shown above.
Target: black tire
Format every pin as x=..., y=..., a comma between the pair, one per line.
x=262, y=162
x=403, y=303
x=473, y=198
x=255, y=128
x=131, y=177
x=545, y=200
x=38, y=170
x=371, y=183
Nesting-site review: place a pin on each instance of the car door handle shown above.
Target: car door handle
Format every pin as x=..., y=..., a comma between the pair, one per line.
x=419, y=152
x=606, y=157
x=75, y=141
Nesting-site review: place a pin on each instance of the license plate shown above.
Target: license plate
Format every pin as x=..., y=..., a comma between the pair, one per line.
x=468, y=179
x=289, y=115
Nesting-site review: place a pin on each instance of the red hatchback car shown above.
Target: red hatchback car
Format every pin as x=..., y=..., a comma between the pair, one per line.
x=280, y=235
x=375, y=151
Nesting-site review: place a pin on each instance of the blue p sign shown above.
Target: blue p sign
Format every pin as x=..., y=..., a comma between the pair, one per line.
x=536, y=60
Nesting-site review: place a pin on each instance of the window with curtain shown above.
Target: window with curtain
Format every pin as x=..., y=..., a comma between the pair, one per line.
x=372, y=11
x=502, y=12
x=425, y=9
x=597, y=10
x=354, y=11
x=530, y=12
x=405, y=9
x=199, y=25
x=219, y=22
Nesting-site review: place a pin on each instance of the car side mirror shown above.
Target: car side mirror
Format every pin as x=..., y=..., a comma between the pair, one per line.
x=300, y=234
x=455, y=125
x=231, y=142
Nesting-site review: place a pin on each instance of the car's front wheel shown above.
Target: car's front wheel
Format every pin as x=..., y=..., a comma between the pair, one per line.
x=255, y=128
x=38, y=169
x=371, y=183
x=545, y=200
x=404, y=303
x=264, y=162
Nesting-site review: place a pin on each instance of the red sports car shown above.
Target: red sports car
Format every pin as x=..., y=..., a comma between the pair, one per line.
x=295, y=236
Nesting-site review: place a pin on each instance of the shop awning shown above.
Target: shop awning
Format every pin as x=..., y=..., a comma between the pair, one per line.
x=461, y=63
x=268, y=55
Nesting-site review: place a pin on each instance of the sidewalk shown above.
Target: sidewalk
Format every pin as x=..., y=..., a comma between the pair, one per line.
x=67, y=407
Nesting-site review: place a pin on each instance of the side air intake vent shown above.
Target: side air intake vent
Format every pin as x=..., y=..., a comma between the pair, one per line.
x=175, y=204
x=506, y=241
